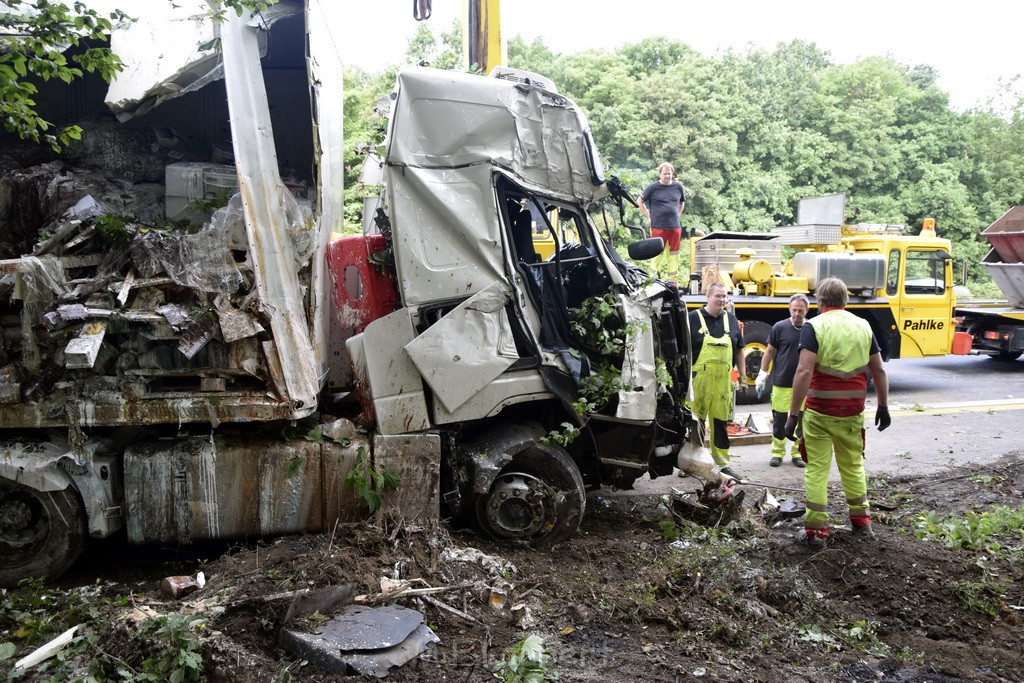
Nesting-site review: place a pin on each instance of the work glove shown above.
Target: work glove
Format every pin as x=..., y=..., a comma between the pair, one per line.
x=882, y=419
x=791, y=423
x=761, y=382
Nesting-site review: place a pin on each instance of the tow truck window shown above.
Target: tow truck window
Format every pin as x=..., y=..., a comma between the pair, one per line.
x=925, y=274
x=892, y=277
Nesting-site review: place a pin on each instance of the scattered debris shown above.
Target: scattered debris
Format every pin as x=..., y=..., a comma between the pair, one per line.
x=319, y=601
x=714, y=505
x=180, y=586
x=366, y=640
x=48, y=650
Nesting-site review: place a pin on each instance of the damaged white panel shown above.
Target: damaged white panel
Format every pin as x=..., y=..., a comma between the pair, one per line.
x=264, y=198
x=462, y=352
x=168, y=51
x=538, y=136
x=446, y=231
x=638, y=399
x=395, y=385
x=162, y=55
x=326, y=81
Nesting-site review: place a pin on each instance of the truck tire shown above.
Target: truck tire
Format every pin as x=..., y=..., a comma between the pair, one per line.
x=755, y=342
x=41, y=532
x=538, y=498
x=1006, y=356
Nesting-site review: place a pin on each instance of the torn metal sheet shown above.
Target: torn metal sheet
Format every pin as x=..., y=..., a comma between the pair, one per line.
x=265, y=198
x=170, y=50
x=322, y=601
x=395, y=386
x=197, y=335
x=454, y=120
x=447, y=237
x=416, y=459
x=368, y=640
x=326, y=80
x=466, y=349
x=638, y=397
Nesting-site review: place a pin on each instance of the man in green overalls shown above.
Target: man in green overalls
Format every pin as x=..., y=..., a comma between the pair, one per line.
x=717, y=343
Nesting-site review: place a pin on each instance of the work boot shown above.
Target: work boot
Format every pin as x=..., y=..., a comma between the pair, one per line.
x=732, y=474
x=775, y=462
x=798, y=462
x=814, y=542
x=866, y=532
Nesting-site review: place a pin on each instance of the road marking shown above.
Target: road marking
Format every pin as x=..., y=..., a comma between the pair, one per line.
x=904, y=409
x=962, y=407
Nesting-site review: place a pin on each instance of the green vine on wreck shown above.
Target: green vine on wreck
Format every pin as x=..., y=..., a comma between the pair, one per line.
x=605, y=339
x=368, y=483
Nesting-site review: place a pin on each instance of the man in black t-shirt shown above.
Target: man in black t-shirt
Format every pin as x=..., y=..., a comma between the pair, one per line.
x=784, y=350
x=662, y=203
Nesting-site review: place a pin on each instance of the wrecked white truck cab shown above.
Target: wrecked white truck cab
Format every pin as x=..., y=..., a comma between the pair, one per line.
x=546, y=377
x=133, y=396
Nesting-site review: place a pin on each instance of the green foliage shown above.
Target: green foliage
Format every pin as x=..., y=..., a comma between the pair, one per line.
x=563, y=436
x=597, y=388
x=983, y=596
x=598, y=324
x=179, y=659
x=669, y=530
x=527, y=662
x=113, y=229
x=368, y=483
x=975, y=531
x=210, y=204
x=661, y=373
x=37, y=33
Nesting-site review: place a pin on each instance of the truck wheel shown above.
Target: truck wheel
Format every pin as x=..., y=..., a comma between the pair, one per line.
x=538, y=498
x=1006, y=356
x=755, y=342
x=41, y=533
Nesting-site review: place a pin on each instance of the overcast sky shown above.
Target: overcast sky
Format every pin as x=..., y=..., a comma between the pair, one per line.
x=971, y=44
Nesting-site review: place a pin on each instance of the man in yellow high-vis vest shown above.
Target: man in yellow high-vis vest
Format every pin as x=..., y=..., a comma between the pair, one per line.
x=717, y=343
x=837, y=351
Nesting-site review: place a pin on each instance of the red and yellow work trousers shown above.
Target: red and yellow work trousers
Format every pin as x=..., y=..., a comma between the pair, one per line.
x=823, y=436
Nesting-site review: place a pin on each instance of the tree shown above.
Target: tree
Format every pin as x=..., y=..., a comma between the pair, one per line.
x=34, y=37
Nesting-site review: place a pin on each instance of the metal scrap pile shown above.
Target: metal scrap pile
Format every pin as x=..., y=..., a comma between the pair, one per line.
x=105, y=310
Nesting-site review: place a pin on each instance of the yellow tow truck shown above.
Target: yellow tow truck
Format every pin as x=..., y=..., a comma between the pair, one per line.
x=901, y=283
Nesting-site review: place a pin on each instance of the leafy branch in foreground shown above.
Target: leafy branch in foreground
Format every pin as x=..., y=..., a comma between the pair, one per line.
x=974, y=530
x=368, y=483
x=527, y=662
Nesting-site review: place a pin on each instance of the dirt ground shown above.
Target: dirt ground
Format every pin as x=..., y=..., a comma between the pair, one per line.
x=638, y=594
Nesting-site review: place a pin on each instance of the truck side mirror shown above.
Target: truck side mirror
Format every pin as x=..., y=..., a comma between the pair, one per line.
x=642, y=250
x=943, y=255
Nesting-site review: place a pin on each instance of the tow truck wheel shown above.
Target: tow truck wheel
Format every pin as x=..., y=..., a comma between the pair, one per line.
x=538, y=498
x=1006, y=356
x=755, y=343
x=41, y=533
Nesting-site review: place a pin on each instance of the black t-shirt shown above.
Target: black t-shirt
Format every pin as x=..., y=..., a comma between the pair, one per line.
x=663, y=203
x=785, y=337
x=716, y=328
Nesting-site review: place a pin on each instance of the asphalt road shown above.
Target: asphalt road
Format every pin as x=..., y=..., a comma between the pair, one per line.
x=946, y=412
